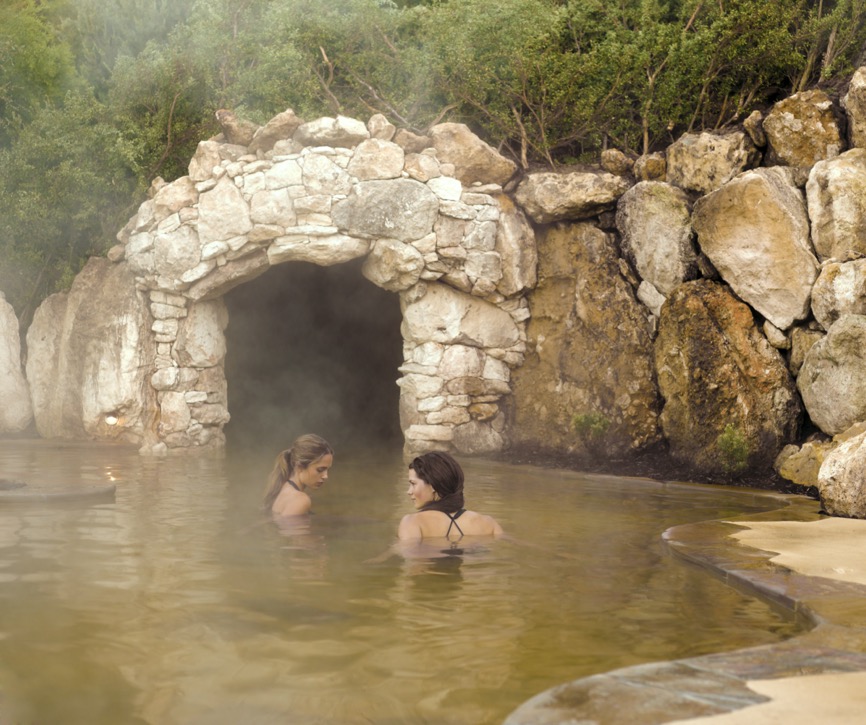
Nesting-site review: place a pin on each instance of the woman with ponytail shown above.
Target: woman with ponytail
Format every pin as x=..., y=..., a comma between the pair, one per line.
x=436, y=489
x=303, y=466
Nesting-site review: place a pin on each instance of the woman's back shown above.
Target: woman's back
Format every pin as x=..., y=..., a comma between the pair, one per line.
x=438, y=524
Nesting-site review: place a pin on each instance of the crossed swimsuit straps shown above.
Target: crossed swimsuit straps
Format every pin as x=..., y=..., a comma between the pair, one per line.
x=453, y=524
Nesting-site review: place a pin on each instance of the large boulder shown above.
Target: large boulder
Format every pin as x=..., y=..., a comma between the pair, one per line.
x=832, y=379
x=339, y=132
x=517, y=249
x=842, y=479
x=836, y=196
x=473, y=159
x=402, y=209
x=549, y=197
x=447, y=316
x=90, y=356
x=854, y=103
x=16, y=412
x=839, y=290
x=755, y=231
x=802, y=130
x=654, y=220
x=587, y=385
x=703, y=162
x=730, y=402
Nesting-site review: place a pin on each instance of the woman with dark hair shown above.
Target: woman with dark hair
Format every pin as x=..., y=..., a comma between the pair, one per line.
x=436, y=489
x=303, y=466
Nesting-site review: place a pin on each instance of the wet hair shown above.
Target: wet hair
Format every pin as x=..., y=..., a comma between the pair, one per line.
x=444, y=474
x=304, y=451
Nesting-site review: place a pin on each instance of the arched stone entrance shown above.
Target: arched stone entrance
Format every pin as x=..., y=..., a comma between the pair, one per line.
x=313, y=348
x=424, y=220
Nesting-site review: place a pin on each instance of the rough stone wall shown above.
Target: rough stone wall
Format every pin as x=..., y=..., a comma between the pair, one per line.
x=459, y=255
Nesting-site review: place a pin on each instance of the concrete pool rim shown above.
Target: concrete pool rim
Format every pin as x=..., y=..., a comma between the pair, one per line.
x=711, y=686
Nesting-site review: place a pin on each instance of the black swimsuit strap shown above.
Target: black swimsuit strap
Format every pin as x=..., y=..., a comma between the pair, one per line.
x=454, y=518
x=293, y=484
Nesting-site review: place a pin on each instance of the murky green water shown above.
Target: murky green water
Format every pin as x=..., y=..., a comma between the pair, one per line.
x=178, y=603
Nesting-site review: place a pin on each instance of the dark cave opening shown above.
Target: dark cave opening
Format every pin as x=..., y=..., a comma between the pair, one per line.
x=313, y=349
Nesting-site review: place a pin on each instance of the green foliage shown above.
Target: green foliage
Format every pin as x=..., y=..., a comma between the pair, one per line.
x=733, y=449
x=34, y=63
x=65, y=191
x=108, y=94
x=590, y=427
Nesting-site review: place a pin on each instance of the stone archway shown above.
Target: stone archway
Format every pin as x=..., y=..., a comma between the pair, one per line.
x=313, y=348
x=428, y=217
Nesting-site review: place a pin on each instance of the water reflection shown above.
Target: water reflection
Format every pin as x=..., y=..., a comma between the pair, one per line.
x=180, y=602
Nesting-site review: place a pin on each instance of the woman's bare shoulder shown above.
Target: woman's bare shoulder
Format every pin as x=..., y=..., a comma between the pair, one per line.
x=410, y=527
x=482, y=524
x=292, y=503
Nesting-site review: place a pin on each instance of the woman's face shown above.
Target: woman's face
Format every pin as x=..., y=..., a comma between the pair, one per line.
x=419, y=491
x=315, y=474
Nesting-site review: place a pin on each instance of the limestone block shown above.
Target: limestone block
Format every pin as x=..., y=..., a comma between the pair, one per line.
x=483, y=268
x=548, y=197
x=854, y=103
x=376, y=159
x=380, y=127
x=272, y=207
x=836, y=197
x=651, y=297
x=420, y=386
x=200, y=339
x=802, y=340
x=461, y=360
x=477, y=438
x=393, y=265
x=284, y=173
x=228, y=276
x=654, y=220
x=839, y=290
x=422, y=167
x=446, y=188
x=321, y=249
x=650, y=167
x=401, y=209
x=832, y=380
x=207, y=156
x=842, y=479
x=448, y=316
x=279, y=128
x=322, y=176
x=517, y=249
x=174, y=412
x=442, y=433
x=338, y=132
x=802, y=130
x=703, y=162
x=473, y=159
x=90, y=354
x=173, y=197
x=223, y=213
x=411, y=143
x=616, y=162
x=480, y=236
x=762, y=251
x=16, y=411
x=801, y=465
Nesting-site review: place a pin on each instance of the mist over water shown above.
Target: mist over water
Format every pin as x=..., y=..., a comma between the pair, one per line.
x=313, y=349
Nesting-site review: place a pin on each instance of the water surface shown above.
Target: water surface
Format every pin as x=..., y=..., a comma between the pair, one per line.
x=178, y=602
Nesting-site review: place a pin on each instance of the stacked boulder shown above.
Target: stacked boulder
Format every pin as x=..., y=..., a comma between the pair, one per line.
x=746, y=252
